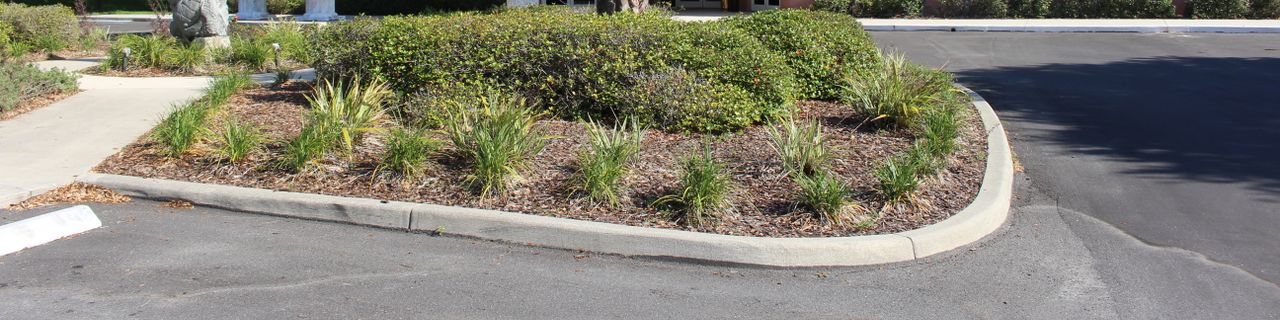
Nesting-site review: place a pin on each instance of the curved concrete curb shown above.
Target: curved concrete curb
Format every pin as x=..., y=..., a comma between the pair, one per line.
x=987, y=212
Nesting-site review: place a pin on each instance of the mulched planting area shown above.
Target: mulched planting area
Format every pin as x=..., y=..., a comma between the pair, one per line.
x=762, y=195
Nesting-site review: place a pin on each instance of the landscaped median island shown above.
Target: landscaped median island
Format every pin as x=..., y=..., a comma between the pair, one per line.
x=780, y=124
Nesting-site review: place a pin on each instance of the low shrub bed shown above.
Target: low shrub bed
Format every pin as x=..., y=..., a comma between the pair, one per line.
x=23, y=87
x=679, y=76
x=632, y=119
x=30, y=33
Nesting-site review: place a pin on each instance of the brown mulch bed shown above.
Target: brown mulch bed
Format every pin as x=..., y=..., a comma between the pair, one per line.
x=762, y=195
x=72, y=193
x=35, y=103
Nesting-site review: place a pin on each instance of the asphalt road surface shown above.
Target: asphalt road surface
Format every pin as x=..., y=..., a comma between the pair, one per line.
x=1174, y=139
x=1059, y=257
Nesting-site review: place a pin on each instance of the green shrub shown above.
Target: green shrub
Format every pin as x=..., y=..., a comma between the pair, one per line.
x=237, y=140
x=350, y=110
x=603, y=163
x=310, y=145
x=970, y=9
x=179, y=131
x=496, y=134
x=1264, y=9
x=342, y=49
x=1111, y=9
x=576, y=65
x=837, y=6
x=803, y=148
x=1028, y=8
x=395, y=7
x=888, y=8
x=702, y=193
x=823, y=48
x=50, y=27
x=285, y=6
x=678, y=100
x=900, y=92
x=407, y=152
x=898, y=178
x=1218, y=9
x=825, y=195
x=23, y=82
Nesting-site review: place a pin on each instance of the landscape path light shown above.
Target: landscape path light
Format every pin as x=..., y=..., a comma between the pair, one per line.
x=124, y=65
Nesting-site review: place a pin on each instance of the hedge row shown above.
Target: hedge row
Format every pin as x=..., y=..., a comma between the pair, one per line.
x=1202, y=9
x=707, y=77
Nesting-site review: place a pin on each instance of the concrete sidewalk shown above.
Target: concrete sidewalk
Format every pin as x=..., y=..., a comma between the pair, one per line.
x=50, y=146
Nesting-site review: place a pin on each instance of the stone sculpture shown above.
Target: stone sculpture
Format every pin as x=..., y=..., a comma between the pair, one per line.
x=197, y=19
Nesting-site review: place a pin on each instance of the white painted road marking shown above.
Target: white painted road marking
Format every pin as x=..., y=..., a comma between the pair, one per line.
x=45, y=228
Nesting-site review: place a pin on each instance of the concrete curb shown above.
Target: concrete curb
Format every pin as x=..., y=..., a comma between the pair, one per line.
x=1072, y=25
x=986, y=214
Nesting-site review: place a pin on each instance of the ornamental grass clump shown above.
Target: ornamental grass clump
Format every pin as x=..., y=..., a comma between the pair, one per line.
x=825, y=195
x=349, y=109
x=603, y=164
x=185, y=58
x=496, y=133
x=940, y=130
x=703, y=191
x=802, y=147
x=179, y=131
x=406, y=154
x=900, y=92
x=309, y=146
x=237, y=141
x=249, y=53
x=898, y=178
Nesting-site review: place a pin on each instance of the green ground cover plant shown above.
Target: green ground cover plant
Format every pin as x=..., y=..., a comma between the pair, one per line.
x=252, y=50
x=21, y=81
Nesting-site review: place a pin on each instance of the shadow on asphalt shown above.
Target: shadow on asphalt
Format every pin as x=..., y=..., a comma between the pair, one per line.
x=1196, y=126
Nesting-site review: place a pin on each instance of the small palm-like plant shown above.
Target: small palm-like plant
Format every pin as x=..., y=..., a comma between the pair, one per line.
x=603, y=164
x=496, y=133
x=899, y=92
x=826, y=195
x=407, y=153
x=802, y=147
x=703, y=191
x=237, y=140
x=350, y=110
